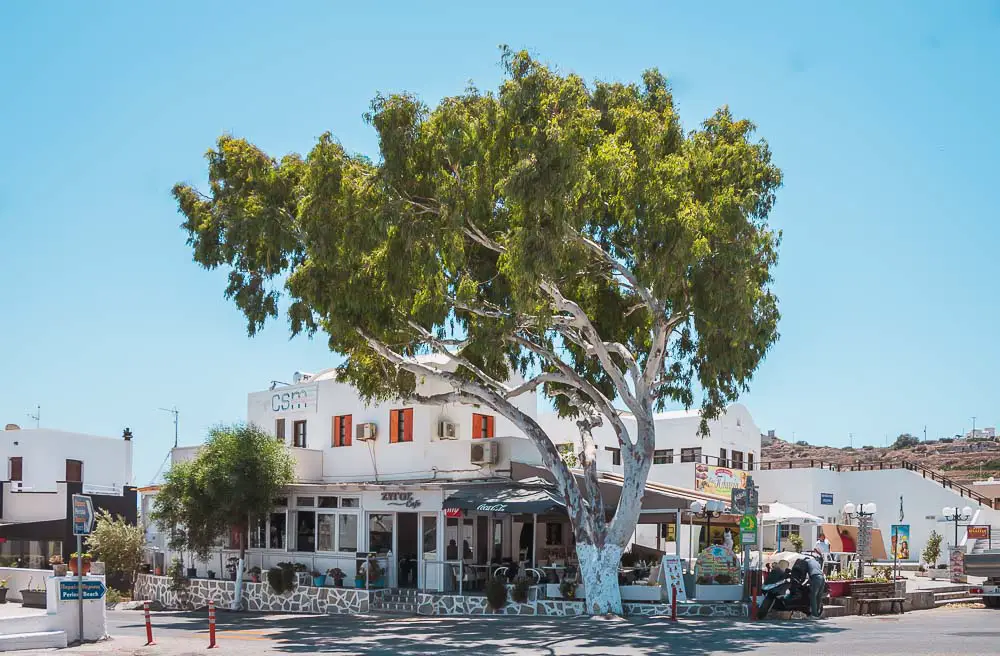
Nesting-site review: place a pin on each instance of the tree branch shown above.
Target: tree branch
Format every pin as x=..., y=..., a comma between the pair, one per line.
x=618, y=267
x=442, y=348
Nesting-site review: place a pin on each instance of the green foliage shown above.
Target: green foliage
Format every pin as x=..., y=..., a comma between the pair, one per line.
x=567, y=588
x=118, y=544
x=282, y=578
x=496, y=592
x=905, y=441
x=234, y=478
x=178, y=582
x=932, y=550
x=519, y=593
x=113, y=596
x=470, y=208
x=796, y=541
x=568, y=454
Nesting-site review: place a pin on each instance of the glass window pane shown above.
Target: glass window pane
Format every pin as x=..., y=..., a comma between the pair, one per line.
x=380, y=533
x=325, y=526
x=306, y=531
x=350, y=502
x=307, y=502
x=258, y=535
x=276, y=538
x=430, y=538
x=347, y=532
x=328, y=502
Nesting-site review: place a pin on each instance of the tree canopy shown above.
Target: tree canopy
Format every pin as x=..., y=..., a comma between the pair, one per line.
x=234, y=479
x=552, y=234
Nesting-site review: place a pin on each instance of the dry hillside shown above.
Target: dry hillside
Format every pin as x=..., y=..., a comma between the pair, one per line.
x=961, y=460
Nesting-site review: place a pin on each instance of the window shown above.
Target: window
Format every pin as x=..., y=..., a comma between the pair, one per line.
x=307, y=502
x=347, y=531
x=553, y=534
x=341, y=431
x=750, y=460
x=74, y=471
x=380, y=533
x=328, y=502
x=723, y=462
x=737, y=460
x=429, y=532
x=277, y=530
x=299, y=433
x=258, y=535
x=788, y=530
x=663, y=456
x=305, y=533
x=691, y=455
x=16, y=468
x=401, y=425
x=482, y=426
x=326, y=526
x=350, y=502
x=616, y=455
x=337, y=532
x=279, y=429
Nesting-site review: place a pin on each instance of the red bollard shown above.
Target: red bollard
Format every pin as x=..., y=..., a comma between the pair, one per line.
x=753, y=600
x=673, y=603
x=149, y=625
x=211, y=625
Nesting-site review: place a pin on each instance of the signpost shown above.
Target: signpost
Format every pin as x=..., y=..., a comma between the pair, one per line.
x=745, y=502
x=70, y=591
x=748, y=529
x=83, y=524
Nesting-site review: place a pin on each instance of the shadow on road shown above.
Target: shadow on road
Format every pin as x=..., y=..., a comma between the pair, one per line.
x=401, y=636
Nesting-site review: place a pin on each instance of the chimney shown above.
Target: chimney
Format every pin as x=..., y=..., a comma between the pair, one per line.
x=127, y=434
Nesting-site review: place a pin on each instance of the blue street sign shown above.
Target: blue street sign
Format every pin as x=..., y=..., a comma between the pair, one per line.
x=83, y=515
x=91, y=590
x=825, y=499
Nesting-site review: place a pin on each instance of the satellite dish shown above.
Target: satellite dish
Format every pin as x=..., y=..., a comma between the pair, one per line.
x=12, y=427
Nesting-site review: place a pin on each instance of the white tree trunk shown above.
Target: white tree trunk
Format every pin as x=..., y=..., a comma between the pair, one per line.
x=599, y=575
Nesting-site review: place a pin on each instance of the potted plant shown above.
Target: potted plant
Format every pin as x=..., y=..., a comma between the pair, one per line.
x=73, y=562
x=496, y=593
x=3, y=591
x=33, y=597
x=145, y=568
x=337, y=575
x=839, y=583
x=319, y=579
x=211, y=575
x=255, y=573
x=568, y=588
x=58, y=566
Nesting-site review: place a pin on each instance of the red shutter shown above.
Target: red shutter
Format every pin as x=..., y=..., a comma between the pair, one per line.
x=347, y=430
x=335, y=436
x=16, y=469
x=279, y=429
x=489, y=425
x=393, y=426
x=477, y=426
x=408, y=425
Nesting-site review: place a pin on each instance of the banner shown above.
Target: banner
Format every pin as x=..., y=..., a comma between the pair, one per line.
x=901, y=541
x=718, y=480
x=978, y=532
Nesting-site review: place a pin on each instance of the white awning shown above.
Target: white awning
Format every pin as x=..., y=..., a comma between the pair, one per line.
x=780, y=513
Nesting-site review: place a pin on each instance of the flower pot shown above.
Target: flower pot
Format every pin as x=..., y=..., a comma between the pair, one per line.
x=338, y=582
x=839, y=588
x=158, y=572
x=3, y=595
x=73, y=569
x=211, y=576
x=59, y=570
x=33, y=598
x=319, y=581
x=359, y=582
x=192, y=572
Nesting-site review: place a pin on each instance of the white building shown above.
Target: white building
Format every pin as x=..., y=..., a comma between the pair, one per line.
x=44, y=469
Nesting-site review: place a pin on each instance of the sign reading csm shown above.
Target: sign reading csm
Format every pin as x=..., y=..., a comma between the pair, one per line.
x=301, y=399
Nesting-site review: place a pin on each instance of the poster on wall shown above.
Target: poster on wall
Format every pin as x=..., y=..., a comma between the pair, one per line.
x=718, y=480
x=901, y=541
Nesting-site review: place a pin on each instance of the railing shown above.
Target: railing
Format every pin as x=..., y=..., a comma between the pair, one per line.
x=458, y=567
x=944, y=481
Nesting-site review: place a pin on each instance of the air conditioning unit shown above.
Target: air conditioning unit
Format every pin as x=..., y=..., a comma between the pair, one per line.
x=484, y=453
x=447, y=430
x=365, y=432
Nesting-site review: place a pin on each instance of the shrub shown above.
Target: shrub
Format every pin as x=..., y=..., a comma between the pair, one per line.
x=723, y=579
x=496, y=593
x=796, y=541
x=114, y=597
x=905, y=441
x=281, y=578
x=568, y=588
x=178, y=582
x=932, y=551
x=802, y=443
x=119, y=544
x=520, y=590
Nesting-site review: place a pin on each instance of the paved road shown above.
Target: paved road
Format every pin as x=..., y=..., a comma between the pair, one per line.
x=945, y=631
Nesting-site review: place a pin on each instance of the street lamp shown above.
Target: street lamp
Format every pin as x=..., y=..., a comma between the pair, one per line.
x=863, y=512
x=954, y=514
x=708, y=510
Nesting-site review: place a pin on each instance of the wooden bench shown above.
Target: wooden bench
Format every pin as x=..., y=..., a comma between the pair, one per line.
x=865, y=604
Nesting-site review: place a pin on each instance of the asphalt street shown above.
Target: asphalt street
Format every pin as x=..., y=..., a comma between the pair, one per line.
x=963, y=631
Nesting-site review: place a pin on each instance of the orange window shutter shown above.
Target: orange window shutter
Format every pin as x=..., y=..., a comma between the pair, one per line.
x=393, y=426
x=347, y=430
x=408, y=425
x=477, y=426
x=489, y=425
x=335, y=435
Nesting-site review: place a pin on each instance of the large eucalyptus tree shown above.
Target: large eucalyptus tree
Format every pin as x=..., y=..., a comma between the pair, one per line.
x=569, y=232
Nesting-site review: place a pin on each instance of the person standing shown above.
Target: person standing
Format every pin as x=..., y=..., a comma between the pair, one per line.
x=823, y=547
x=817, y=582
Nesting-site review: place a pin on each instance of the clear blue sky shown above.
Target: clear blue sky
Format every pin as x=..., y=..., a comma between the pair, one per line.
x=881, y=115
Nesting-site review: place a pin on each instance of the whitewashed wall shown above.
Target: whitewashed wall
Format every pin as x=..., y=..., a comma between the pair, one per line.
x=107, y=461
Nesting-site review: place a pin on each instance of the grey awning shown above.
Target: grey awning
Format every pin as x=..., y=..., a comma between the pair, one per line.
x=506, y=499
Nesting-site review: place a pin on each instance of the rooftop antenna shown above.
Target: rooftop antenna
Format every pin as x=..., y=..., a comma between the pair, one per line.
x=37, y=416
x=175, y=413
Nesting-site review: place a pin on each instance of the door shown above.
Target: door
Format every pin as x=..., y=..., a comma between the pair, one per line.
x=429, y=575
x=381, y=535
x=74, y=471
x=408, y=550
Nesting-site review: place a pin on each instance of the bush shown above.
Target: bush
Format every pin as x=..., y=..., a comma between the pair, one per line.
x=568, y=588
x=932, y=551
x=520, y=591
x=178, y=582
x=802, y=443
x=796, y=541
x=496, y=593
x=947, y=440
x=723, y=579
x=118, y=544
x=281, y=578
x=114, y=597
x=905, y=441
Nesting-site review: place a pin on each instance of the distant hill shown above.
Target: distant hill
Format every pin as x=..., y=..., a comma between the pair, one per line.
x=960, y=460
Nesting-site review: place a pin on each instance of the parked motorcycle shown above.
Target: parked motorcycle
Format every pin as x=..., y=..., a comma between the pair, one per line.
x=788, y=592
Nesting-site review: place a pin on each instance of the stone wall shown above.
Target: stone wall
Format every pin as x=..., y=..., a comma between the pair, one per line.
x=439, y=604
x=688, y=609
x=256, y=596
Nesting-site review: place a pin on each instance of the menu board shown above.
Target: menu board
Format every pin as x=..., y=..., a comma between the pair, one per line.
x=957, y=565
x=672, y=576
x=717, y=560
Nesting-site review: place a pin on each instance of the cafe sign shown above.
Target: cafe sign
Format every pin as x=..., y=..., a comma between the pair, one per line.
x=718, y=480
x=403, y=499
x=978, y=532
